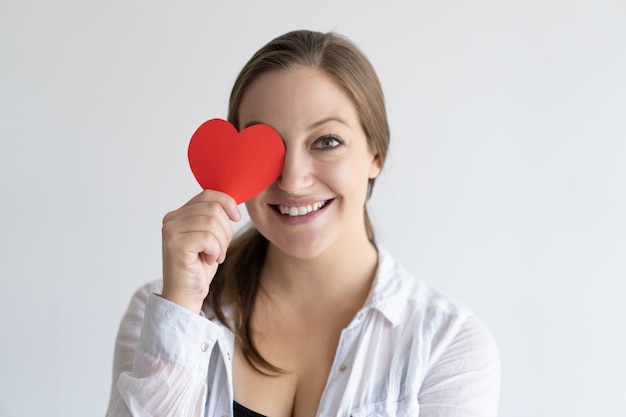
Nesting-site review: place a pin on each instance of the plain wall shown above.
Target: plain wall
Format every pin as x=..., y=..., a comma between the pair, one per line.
x=505, y=186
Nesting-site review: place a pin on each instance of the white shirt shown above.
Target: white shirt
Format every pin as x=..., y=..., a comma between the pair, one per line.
x=408, y=352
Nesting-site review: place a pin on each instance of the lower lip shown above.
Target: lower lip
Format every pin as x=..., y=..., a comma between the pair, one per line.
x=300, y=220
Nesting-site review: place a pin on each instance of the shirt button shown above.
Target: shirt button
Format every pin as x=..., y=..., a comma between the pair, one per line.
x=342, y=368
x=359, y=316
x=204, y=346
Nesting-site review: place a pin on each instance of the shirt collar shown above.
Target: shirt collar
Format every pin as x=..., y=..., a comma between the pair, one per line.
x=387, y=293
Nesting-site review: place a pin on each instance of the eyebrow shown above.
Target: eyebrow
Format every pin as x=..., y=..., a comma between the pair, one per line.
x=252, y=123
x=311, y=127
x=324, y=121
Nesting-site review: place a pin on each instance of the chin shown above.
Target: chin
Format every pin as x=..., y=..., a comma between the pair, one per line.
x=305, y=248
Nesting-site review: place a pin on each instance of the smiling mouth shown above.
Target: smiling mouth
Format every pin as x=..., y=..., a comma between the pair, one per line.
x=295, y=211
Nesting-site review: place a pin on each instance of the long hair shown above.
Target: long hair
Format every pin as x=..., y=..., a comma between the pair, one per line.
x=236, y=282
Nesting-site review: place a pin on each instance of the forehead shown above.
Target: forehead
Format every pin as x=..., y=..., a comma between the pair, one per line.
x=295, y=98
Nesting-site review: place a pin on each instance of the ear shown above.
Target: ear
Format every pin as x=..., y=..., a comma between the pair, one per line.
x=375, y=167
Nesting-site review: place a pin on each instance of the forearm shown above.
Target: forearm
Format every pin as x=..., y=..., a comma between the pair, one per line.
x=161, y=363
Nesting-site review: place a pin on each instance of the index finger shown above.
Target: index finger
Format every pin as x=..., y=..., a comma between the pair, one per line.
x=227, y=202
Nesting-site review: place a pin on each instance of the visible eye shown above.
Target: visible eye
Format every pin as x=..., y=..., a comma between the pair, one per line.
x=327, y=142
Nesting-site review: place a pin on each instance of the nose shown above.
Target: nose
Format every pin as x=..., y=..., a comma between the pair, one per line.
x=296, y=176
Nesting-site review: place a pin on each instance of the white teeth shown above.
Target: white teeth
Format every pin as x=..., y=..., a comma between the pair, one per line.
x=300, y=210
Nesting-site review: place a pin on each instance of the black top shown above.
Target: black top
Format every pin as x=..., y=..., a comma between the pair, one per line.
x=241, y=411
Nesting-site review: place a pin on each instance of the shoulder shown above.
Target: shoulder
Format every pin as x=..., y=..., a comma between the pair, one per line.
x=464, y=375
x=459, y=362
x=143, y=292
x=424, y=312
x=403, y=297
x=135, y=311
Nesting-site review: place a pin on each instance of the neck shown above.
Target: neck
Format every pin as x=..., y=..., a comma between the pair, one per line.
x=335, y=274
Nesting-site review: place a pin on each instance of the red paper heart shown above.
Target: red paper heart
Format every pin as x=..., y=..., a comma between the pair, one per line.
x=240, y=164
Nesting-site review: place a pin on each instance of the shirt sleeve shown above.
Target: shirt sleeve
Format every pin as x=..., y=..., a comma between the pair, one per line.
x=465, y=380
x=161, y=358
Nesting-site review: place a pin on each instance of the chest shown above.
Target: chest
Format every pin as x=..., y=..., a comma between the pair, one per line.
x=373, y=365
x=305, y=354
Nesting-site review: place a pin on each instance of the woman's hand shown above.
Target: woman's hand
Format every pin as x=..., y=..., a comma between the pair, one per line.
x=195, y=240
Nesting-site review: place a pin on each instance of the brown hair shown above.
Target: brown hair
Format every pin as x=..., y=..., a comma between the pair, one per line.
x=237, y=280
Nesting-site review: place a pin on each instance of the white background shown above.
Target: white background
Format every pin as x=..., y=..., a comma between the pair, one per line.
x=504, y=187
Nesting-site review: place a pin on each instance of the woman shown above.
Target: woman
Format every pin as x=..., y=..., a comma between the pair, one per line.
x=305, y=315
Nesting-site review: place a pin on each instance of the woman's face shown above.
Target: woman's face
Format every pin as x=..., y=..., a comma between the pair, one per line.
x=317, y=202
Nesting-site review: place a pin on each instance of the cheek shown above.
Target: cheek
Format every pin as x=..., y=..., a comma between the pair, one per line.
x=253, y=206
x=347, y=176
